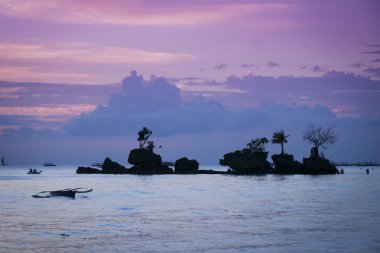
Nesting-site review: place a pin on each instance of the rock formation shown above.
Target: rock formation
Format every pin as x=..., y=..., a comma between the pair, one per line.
x=145, y=161
x=318, y=165
x=186, y=166
x=244, y=162
x=88, y=170
x=111, y=167
x=285, y=164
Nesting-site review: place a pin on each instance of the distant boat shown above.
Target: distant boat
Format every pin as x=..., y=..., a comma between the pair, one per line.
x=3, y=163
x=97, y=164
x=64, y=193
x=34, y=171
x=49, y=164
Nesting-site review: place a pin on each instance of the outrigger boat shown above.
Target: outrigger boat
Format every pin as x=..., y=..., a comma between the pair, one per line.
x=34, y=171
x=69, y=192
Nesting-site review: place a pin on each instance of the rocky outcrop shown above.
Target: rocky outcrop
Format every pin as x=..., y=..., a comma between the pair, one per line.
x=145, y=161
x=88, y=170
x=186, y=166
x=108, y=167
x=285, y=164
x=111, y=167
x=318, y=165
x=243, y=162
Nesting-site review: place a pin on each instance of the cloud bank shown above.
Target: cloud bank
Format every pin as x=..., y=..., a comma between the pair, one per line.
x=158, y=104
x=346, y=94
x=201, y=126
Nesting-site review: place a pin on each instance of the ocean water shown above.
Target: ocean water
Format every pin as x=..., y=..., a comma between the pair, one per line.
x=190, y=213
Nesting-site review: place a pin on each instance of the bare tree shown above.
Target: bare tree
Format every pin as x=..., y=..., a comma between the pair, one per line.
x=257, y=145
x=319, y=137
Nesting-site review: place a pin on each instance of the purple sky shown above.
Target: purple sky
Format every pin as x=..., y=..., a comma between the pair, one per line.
x=213, y=74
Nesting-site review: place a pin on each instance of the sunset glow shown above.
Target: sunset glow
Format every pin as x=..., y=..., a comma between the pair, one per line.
x=188, y=68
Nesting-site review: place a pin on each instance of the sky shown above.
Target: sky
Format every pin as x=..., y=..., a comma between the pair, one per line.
x=78, y=79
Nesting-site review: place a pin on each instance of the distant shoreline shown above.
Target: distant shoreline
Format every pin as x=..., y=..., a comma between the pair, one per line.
x=357, y=164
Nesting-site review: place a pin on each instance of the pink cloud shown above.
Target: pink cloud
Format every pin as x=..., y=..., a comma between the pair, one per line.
x=21, y=61
x=135, y=12
x=87, y=53
x=47, y=110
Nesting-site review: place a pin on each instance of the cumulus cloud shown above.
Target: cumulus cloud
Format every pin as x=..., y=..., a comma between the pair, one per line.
x=273, y=64
x=157, y=103
x=344, y=93
x=221, y=66
x=232, y=105
x=210, y=127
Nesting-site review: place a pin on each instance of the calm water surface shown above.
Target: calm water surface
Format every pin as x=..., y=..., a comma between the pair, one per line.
x=190, y=213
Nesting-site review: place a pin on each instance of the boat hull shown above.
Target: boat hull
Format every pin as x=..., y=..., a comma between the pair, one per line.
x=70, y=193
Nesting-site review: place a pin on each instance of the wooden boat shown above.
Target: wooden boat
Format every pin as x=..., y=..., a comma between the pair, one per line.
x=69, y=192
x=34, y=171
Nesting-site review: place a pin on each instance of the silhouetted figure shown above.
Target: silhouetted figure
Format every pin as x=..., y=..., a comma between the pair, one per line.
x=342, y=171
x=367, y=171
x=2, y=161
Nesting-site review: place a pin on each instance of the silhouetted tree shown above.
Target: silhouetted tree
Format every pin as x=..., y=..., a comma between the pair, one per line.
x=280, y=138
x=150, y=145
x=143, y=137
x=257, y=145
x=319, y=137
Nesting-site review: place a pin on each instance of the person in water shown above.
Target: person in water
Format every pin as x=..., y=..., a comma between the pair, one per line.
x=367, y=171
x=342, y=171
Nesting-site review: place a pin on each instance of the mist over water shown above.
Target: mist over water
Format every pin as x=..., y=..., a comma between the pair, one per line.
x=192, y=213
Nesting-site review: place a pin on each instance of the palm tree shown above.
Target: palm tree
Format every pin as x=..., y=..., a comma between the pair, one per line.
x=280, y=138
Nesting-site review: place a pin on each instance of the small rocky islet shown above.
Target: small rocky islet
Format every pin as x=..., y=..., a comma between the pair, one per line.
x=251, y=160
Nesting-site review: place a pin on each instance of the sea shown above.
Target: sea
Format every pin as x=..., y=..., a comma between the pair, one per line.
x=190, y=213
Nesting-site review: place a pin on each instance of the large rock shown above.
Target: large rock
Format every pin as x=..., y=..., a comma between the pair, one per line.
x=147, y=162
x=144, y=157
x=318, y=165
x=245, y=162
x=88, y=170
x=186, y=166
x=285, y=164
x=111, y=167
